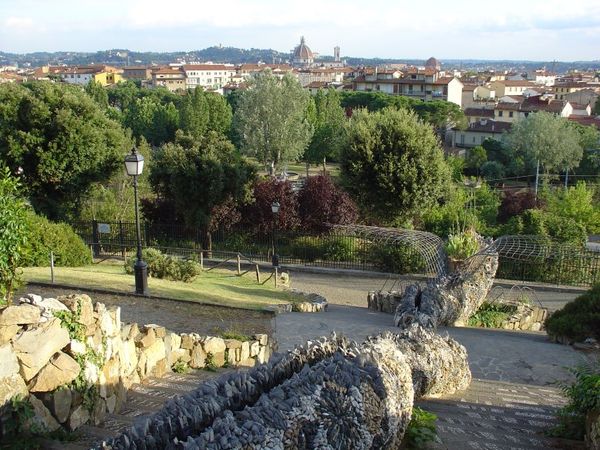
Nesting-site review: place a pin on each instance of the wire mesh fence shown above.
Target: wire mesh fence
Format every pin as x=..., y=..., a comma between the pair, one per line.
x=340, y=248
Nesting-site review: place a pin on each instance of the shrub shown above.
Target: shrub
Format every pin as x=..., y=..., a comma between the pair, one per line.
x=578, y=319
x=492, y=170
x=398, y=258
x=308, y=248
x=462, y=245
x=321, y=202
x=59, y=238
x=584, y=396
x=166, y=267
x=515, y=203
x=339, y=248
x=258, y=216
x=13, y=234
x=421, y=429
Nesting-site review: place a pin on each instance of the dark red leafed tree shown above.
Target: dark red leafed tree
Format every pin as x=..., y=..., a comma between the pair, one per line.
x=259, y=216
x=322, y=202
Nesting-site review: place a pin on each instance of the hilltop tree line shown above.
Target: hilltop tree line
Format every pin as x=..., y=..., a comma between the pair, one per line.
x=204, y=152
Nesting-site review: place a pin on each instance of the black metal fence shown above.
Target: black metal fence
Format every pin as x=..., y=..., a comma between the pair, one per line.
x=333, y=249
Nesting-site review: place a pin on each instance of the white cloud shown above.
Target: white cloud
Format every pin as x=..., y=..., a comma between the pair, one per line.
x=19, y=23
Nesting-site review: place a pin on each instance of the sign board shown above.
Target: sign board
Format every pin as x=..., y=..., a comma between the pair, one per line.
x=103, y=228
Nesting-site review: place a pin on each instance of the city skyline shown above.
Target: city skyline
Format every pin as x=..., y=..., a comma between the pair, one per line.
x=535, y=30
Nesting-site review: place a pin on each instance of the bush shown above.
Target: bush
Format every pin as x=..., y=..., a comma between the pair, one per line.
x=584, y=396
x=515, y=203
x=166, y=267
x=13, y=234
x=492, y=171
x=321, y=202
x=421, y=430
x=308, y=248
x=59, y=238
x=397, y=258
x=578, y=319
x=339, y=248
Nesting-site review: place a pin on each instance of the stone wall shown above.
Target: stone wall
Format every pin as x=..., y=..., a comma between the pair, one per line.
x=333, y=393
x=526, y=317
x=74, y=360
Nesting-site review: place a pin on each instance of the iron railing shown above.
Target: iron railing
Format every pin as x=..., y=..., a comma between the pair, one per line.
x=335, y=249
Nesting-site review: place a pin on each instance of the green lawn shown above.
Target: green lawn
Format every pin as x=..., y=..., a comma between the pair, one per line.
x=222, y=288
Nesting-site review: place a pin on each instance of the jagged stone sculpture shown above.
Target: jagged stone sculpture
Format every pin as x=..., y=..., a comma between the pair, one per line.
x=451, y=299
x=331, y=394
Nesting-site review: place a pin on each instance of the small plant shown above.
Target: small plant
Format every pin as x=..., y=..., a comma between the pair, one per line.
x=234, y=335
x=209, y=363
x=181, y=367
x=491, y=315
x=462, y=245
x=584, y=396
x=167, y=267
x=420, y=430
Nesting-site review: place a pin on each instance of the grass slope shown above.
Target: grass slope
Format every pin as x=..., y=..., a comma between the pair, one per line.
x=222, y=288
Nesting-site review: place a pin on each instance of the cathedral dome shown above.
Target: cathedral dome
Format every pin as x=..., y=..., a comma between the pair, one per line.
x=433, y=63
x=302, y=52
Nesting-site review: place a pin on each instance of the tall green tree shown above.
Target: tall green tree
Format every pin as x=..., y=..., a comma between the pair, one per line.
x=61, y=139
x=270, y=119
x=197, y=175
x=329, y=121
x=549, y=139
x=219, y=113
x=393, y=165
x=148, y=117
x=98, y=93
x=476, y=157
x=194, y=114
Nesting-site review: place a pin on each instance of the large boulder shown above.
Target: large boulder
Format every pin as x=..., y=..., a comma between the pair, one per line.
x=35, y=347
x=61, y=370
x=11, y=383
x=23, y=314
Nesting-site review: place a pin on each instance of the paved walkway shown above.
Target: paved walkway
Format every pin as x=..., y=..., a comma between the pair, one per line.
x=513, y=397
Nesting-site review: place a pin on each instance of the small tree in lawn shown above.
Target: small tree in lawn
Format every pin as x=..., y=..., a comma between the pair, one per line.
x=321, y=202
x=13, y=234
x=259, y=216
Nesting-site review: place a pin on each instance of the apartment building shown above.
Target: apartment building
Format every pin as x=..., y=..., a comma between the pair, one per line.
x=208, y=76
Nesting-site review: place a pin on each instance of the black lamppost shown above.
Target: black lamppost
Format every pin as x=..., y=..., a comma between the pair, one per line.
x=275, y=209
x=134, y=164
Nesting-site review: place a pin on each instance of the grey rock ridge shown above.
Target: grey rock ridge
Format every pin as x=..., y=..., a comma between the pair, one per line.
x=451, y=299
x=332, y=393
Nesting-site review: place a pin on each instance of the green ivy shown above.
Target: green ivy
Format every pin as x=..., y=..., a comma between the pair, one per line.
x=209, y=363
x=180, y=367
x=491, y=315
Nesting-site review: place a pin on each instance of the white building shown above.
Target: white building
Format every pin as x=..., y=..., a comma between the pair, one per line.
x=208, y=76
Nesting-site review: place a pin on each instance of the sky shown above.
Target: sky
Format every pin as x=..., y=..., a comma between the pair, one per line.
x=541, y=30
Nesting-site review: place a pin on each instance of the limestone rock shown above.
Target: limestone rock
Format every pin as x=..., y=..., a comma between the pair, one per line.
x=198, y=356
x=91, y=372
x=245, y=353
x=52, y=305
x=78, y=417
x=7, y=332
x=11, y=383
x=187, y=341
x=128, y=358
x=254, y=348
x=61, y=370
x=214, y=345
x=262, y=339
x=154, y=354
x=23, y=314
x=159, y=332
x=42, y=419
x=232, y=344
x=111, y=402
x=60, y=404
x=77, y=347
x=148, y=338
x=35, y=347
x=9, y=365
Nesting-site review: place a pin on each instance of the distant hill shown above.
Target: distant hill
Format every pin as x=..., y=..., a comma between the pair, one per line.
x=120, y=57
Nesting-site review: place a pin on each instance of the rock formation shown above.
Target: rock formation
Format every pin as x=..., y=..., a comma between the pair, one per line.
x=330, y=394
x=451, y=299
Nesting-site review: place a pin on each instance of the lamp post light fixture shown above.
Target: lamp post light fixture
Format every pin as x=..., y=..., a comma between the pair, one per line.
x=134, y=165
x=275, y=209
